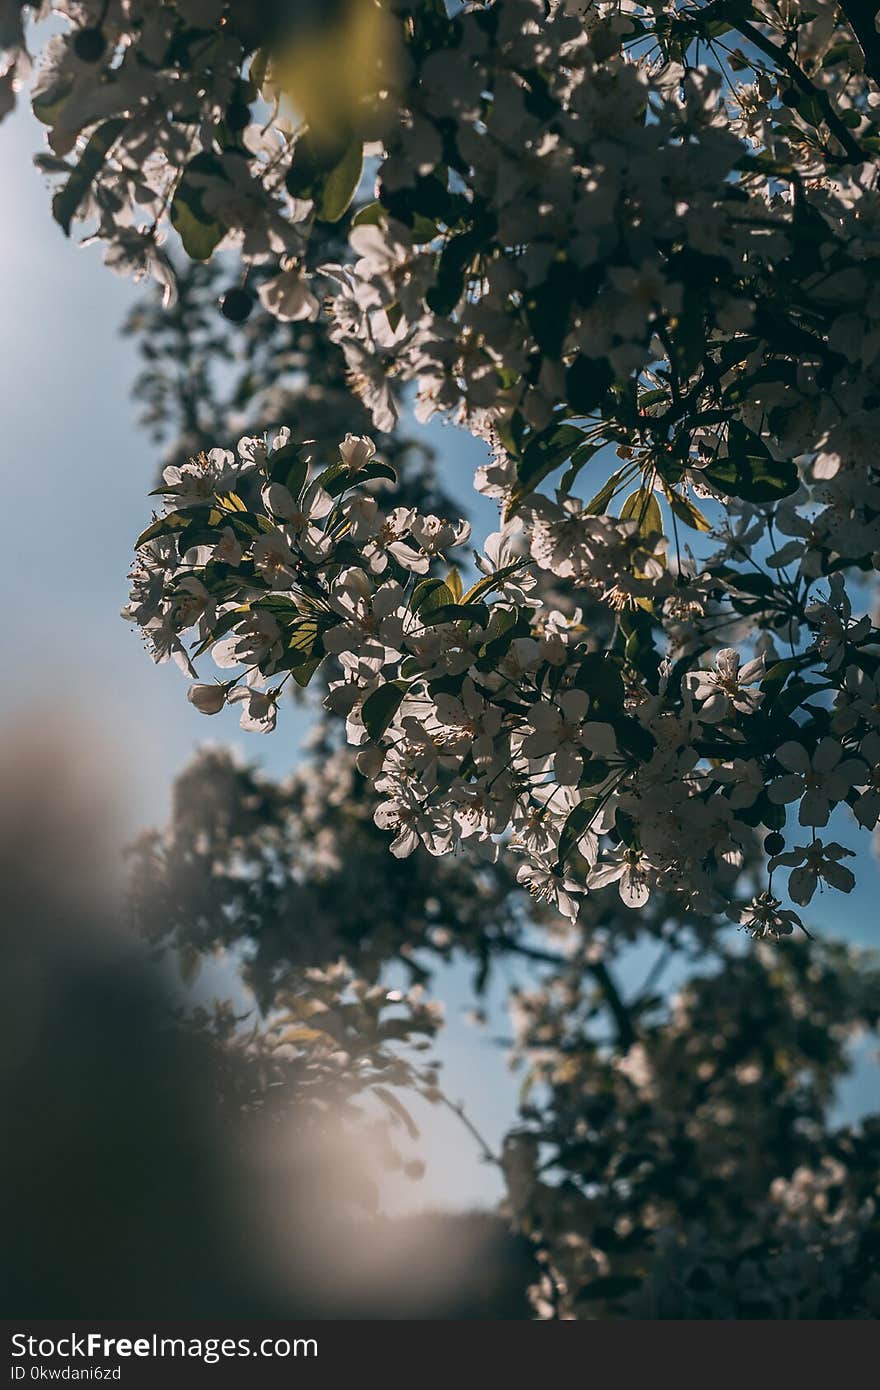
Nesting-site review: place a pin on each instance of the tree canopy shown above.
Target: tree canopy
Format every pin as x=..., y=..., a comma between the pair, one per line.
x=633, y=248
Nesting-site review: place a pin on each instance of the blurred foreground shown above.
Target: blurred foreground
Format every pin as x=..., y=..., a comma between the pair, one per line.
x=131, y=1184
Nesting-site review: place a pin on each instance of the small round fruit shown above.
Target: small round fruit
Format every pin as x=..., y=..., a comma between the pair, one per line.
x=774, y=843
x=89, y=45
x=236, y=304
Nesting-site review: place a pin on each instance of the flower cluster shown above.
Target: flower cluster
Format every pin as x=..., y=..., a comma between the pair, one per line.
x=184, y=112
x=486, y=716
x=576, y=216
x=627, y=245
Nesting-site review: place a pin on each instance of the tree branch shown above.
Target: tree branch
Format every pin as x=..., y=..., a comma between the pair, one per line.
x=626, y=1031
x=861, y=16
x=784, y=61
x=487, y=1153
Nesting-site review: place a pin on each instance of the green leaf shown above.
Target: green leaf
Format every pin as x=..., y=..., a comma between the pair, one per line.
x=296, y=477
x=288, y=466
x=655, y=397
x=69, y=198
x=507, y=625
x=226, y=624
x=548, y=308
x=642, y=506
x=430, y=593
x=542, y=455
x=339, y=186
x=454, y=584
x=685, y=510
x=335, y=479
x=635, y=740
x=370, y=215
x=599, y=504
x=626, y=828
x=796, y=693
x=750, y=471
x=452, y=267
x=443, y=685
x=168, y=525
x=599, y=675
x=372, y=471
x=587, y=381
x=595, y=771
x=313, y=160
x=279, y=605
x=47, y=105
x=305, y=649
x=689, y=338
x=338, y=477
x=490, y=581
x=379, y=709
x=456, y=612
x=304, y=637
x=576, y=826
x=303, y=674
x=778, y=674
x=199, y=230
x=581, y=456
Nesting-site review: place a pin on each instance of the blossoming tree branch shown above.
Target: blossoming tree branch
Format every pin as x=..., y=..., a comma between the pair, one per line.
x=632, y=247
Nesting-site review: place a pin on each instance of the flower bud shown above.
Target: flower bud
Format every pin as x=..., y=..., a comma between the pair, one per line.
x=208, y=699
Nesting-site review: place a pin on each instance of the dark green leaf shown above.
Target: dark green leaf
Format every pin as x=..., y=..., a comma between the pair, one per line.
x=339, y=186
x=226, y=624
x=634, y=738
x=595, y=771
x=198, y=229
x=750, y=471
x=370, y=215
x=587, y=382
x=576, y=826
x=548, y=310
x=581, y=456
x=452, y=268
x=69, y=198
x=544, y=453
x=379, y=709
x=599, y=675
x=490, y=581
x=507, y=625
x=303, y=674
x=455, y=612
x=171, y=524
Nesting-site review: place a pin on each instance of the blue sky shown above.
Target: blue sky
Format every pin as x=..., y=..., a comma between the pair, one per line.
x=75, y=474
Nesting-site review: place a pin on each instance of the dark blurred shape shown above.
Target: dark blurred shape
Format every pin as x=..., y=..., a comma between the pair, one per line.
x=437, y=1265
x=115, y=1196
x=134, y=1182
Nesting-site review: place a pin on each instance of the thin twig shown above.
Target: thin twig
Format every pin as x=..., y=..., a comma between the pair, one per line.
x=489, y=1156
